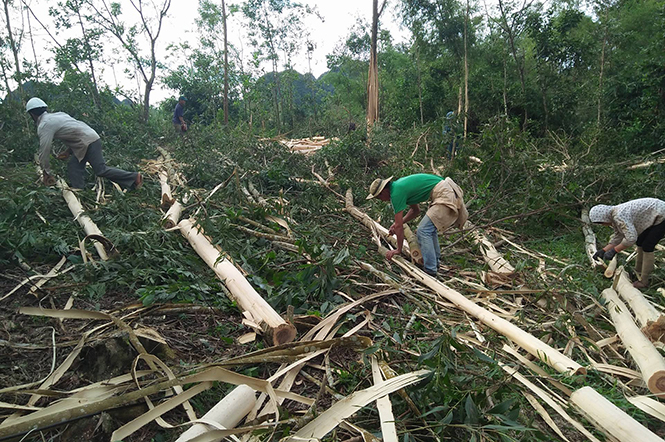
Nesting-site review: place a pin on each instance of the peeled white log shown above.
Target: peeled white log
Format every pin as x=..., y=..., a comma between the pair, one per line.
x=172, y=217
x=84, y=220
x=646, y=356
x=528, y=342
x=167, y=197
x=610, y=419
x=279, y=331
x=416, y=253
x=226, y=414
x=492, y=257
x=589, y=239
x=371, y=224
x=643, y=309
x=611, y=268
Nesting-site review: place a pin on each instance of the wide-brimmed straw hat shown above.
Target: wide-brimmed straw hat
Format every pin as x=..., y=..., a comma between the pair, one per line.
x=376, y=187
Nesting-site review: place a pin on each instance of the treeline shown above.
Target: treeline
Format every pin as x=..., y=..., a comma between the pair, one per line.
x=593, y=70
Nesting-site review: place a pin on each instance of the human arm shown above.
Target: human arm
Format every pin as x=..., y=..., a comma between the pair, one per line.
x=398, y=229
x=46, y=134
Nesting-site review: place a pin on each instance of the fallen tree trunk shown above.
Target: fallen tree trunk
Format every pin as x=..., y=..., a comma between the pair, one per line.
x=589, y=239
x=494, y=260
x=172, y=217
x=416, y=253
x=83, y=219
x=371, y=224
x=226, y=414
x=609, y=419
x=167, y=197
x=277, y=330
x=528, y=342
x=651, y=321
x=645, y=355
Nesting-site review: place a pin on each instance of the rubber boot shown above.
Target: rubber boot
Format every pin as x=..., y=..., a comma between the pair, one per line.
x=638, y=263
x=647, y=268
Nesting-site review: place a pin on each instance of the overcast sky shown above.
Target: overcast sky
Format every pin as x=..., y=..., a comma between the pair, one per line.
x=339, y=17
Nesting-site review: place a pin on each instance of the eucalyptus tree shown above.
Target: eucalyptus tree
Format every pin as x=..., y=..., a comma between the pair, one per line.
x=13, y=40
x=373, y=73
x=438, y=28
x=634, y=81
x=565, y=59
x=276, y=26
x=512, y=23
x=151, y=15
x=212, y=22
x=347, y=73
x=87, y=48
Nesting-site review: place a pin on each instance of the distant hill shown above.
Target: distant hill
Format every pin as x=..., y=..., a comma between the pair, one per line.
x=302, y=85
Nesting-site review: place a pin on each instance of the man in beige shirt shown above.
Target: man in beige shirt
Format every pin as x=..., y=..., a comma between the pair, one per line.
x=446, y=209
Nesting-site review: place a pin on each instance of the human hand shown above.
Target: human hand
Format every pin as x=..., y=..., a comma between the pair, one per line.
x=48, y=179
x=391, y=230
x=599, y=254
x=183, y=127
x=609, y=255
x=391, y=253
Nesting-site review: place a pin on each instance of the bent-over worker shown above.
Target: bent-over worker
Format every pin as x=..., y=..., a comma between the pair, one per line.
x=641, y=222
x=446, y=208
x=81, y=141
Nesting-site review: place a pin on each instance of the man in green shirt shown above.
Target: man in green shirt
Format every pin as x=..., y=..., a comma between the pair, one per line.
x=446, y=208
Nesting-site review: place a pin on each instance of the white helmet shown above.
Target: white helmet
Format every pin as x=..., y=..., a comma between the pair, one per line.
x=34, y=103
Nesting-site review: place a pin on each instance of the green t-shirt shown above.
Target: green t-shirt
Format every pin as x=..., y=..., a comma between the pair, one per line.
x=412, y=189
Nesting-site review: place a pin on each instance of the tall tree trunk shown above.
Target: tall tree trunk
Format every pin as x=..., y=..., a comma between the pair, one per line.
x=88, y=53
x=420, y=85
x=226, y=66
x=32, y=43
x=519, y=63
x=505, y=87
x=13, y=46
x=602, y=69
x=373, y=73
x=466, y=70
x=277, y=94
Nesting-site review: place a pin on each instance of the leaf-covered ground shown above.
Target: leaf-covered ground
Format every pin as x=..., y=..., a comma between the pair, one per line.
x=524, y=194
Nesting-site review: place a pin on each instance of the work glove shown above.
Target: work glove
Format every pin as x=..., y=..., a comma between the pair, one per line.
x=599, y=254
x=609, y=255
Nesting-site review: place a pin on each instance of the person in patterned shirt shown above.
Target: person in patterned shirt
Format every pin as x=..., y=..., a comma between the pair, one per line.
x=641, y=222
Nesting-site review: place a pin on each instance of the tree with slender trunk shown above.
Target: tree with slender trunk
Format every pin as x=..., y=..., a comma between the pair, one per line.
x=276, y=26
x=373, y=75
x=511, y=33
x=466, y=70
x=108, y=16
x=13, y=44
x=226, y=65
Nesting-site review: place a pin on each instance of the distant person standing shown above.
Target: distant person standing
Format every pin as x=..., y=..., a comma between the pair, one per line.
x=80, y=140
x=178, y=120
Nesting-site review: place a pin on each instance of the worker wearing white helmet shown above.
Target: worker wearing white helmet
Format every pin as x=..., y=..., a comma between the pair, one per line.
x=81, y=141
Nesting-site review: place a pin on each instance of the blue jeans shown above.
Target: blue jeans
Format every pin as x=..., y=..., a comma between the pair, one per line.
x=428, y=240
